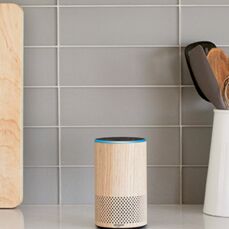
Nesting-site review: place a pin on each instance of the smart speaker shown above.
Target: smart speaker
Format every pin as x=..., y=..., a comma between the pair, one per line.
x=120, y=182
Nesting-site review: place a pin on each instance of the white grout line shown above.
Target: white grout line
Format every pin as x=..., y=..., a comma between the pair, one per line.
x=41, y=166
x=196, y=126
x=180, y=101
x=116, y=6
x=209, y=5
x=40, y=87
x=77, y=166
x=122, y=46
x=59, y=103
x=110, y=86
x=97, y=6
x=103, y=46
x=123, y=86
x=222, y=45
x=92, y=166
x=122, y=126
x=122, y=6
x=39, y=6
x=40, y=126
x=113, y=46
x=40, y=46
x=194, y=166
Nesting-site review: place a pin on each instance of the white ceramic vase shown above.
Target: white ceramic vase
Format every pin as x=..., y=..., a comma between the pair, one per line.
x=216, y=201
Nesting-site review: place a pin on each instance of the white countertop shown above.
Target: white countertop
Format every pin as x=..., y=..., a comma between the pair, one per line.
x=80, y=217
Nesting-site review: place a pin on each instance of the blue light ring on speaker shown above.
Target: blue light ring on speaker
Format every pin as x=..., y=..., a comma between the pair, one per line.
x=120, y=140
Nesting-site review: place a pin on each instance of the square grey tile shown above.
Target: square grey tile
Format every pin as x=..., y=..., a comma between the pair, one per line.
x=77, y=185
x=30, y=2
x=118, y=66
x=118, y=25
x=163, y=185
x=40, y=146
x=200, y=26
x=119, y=106
x=204, y=2
x=40, y=107
x=195, y=110
x=78, y=144
x=40, y=186
x=196, y=145
x=40, y=26
x=40, y=67
x=117, y=2
x=194, y=180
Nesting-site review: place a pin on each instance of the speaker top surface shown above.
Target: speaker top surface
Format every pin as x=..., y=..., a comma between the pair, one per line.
x=120, y=140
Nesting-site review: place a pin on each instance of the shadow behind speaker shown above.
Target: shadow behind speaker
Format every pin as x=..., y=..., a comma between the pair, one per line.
x=120, y=182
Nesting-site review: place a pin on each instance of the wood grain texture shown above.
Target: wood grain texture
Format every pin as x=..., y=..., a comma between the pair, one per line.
x=120, y=169
x=120, y=172
x=219, y=63
x=11, y=102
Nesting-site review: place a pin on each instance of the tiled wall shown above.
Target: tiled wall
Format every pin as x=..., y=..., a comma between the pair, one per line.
x=114, y=67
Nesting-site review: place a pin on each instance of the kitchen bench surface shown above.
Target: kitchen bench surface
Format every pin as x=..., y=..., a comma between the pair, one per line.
x=80, y=217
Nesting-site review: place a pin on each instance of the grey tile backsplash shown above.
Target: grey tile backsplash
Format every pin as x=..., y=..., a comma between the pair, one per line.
x=40, y=67
x=163, y=185
x=40, y=107
x=31, y=2
x=196, y=145
x=82, y=181
x=98, y=68
x=195, y=110
x=118, y=25
x=111, y=2
x=124, y=66
x=40, y=185
x=77, y=144
x=201, y=27
x=119, y=106
x=40, y=146
x=40, y=26
x=203, y=2
x=193, y=185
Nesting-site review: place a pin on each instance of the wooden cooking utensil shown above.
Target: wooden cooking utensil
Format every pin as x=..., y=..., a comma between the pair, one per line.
x=11, y=105
x=225, y=92
x=219, y=63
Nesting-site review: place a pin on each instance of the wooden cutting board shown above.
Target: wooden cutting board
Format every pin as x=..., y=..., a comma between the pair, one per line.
x=11, y=105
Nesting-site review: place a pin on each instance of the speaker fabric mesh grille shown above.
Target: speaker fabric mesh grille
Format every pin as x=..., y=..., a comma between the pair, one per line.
x=120, y=210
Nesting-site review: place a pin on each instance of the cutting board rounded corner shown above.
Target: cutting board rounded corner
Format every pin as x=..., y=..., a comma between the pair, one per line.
x=18, y=203
x=12, y=204
x=13, y=5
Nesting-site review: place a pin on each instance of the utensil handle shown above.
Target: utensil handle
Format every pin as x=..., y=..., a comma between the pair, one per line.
x=225, y=92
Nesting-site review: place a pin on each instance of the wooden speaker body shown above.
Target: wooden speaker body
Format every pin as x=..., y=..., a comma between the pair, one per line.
x=120, y=182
